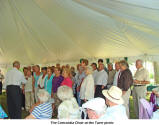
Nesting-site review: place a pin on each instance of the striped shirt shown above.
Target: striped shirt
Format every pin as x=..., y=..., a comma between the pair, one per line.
x=43, y=111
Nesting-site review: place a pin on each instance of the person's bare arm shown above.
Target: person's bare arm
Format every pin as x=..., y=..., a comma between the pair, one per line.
x=23, y=88
x=33, y=84
x=52, y=94
x=103, y=86
x=32, y=108
x=30, y=117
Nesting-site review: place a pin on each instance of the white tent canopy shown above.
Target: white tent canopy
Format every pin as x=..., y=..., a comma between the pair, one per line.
x=47, y=31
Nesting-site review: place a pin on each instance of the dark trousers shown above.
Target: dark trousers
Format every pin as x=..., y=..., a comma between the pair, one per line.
x=82, y=116
x=0, y=88
x=23, y=99
x=14, y=100
x=98, y=92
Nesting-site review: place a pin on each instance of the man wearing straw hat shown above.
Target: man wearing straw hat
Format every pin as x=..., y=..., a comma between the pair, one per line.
x=115, y=110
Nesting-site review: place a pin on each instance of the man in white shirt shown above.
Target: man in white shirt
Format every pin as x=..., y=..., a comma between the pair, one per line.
x=100, y=61
x=14, y=79
x=100, y=81
x=114, y=100
x=117, y=74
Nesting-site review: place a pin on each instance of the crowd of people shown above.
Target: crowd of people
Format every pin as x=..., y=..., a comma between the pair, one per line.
x=91, y=91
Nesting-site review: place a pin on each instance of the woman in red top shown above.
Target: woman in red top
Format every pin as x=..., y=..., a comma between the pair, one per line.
x=67, y=78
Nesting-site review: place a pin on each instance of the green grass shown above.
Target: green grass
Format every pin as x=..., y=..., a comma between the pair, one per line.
x=132, y=113
x=3, y=102
x=24, y=113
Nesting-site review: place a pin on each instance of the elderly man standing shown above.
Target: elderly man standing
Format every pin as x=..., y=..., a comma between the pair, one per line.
x=141, y=78
x=117, y=74
x=111, y=74
x=100, y=61
x=100, y=81
x=13, y=81
x=125, y=82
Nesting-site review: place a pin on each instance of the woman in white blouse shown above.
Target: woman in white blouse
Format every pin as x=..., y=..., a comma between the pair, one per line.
x=87, y=87
x=42, y=78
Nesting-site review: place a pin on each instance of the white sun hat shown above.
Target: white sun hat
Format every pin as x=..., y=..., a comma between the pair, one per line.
x=114, y=94
x=96, y=104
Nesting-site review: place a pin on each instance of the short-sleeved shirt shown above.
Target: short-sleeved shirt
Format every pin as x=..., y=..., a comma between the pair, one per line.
x=101, y=78
x=142, y=75
x=126, y=80
x=56, y=82
x=28, y=85
x=43, y=111
x=15, y=77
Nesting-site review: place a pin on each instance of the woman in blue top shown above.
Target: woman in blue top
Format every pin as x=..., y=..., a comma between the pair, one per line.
x=48, y=81
x=37, y=74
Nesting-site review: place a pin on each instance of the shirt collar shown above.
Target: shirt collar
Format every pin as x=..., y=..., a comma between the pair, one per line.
x=95, y=70
x=15, y=68
x=140, y=68
x=118, y=70
x=114, y=107
x=101, y=70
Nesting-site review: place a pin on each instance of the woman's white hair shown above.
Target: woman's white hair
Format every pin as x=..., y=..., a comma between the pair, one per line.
x=43, y=96
x=64, y=93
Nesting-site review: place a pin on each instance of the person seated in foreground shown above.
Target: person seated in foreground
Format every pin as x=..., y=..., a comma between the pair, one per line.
x=3, y=115
x=95, y=108
x=116, y=109
x=69, y=108
x=42, y=109
x=155, y=115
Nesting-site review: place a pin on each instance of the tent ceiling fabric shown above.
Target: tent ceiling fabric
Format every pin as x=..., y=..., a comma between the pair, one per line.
x=44, y=31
